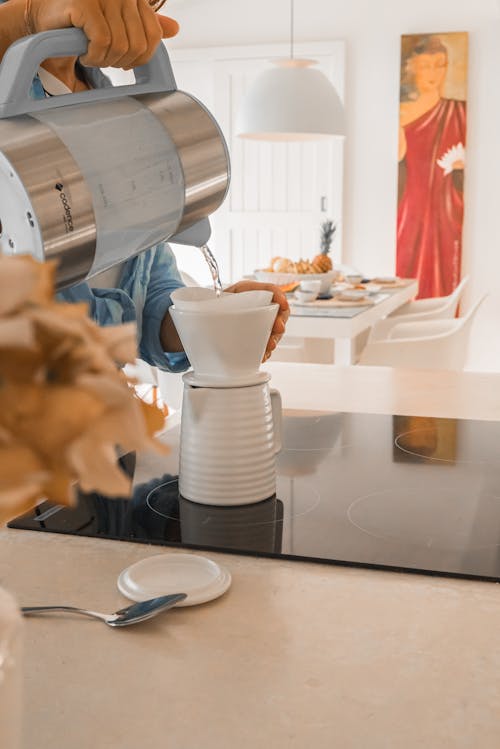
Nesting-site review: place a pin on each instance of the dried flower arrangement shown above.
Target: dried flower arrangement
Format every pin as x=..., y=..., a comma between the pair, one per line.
x=65, y=404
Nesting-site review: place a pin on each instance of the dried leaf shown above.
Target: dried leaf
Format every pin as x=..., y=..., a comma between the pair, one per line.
x=60, y=319
x=18, y=501
x=121, y=342
x=59, y=487
x=5, y=437
x=20, y=365
x=153, y=418
x=19, y=277
x=20, y=465
x=16, y=332
x=114, y=390
x=49, y=418
x=96, y=467
x=64, y=402
x=43, y=293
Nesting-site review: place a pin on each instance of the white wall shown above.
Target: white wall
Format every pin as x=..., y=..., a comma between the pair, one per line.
x=372, y=31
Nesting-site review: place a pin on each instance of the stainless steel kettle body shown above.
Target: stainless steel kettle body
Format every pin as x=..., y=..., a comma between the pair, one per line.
x=92, y=179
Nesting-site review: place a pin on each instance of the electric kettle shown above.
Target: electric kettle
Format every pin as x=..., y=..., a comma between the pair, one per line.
x=93, y=178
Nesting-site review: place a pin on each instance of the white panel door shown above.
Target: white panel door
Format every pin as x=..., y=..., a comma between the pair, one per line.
x=280, y=192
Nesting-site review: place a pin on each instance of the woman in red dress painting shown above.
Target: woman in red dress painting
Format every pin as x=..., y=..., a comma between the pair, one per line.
x=431, y=159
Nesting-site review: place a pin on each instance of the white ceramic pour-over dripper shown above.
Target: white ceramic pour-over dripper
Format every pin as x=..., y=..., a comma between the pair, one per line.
x=224, y=340
x=199, y=299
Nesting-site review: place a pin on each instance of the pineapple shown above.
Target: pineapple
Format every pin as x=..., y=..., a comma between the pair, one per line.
x=323, y=261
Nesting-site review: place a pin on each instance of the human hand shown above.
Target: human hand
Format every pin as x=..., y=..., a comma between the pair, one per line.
x=278, y=298
x=121, y=33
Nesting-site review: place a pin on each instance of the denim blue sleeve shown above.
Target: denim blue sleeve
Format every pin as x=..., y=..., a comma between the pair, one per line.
x=164, y=277
x=106, y=306
x=143, y=297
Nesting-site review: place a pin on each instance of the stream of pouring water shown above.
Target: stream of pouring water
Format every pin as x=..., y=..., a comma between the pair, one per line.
x=214, y=268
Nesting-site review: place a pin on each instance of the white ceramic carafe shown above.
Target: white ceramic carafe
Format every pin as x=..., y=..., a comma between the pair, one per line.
x=231, y=419
x=229, y=440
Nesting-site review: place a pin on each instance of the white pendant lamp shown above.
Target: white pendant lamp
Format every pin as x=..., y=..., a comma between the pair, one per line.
x=291, y=102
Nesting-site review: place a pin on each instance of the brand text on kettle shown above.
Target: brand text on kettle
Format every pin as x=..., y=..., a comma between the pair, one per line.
x=68, y=218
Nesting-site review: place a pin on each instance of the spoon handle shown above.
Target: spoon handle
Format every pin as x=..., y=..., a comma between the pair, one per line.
x=27, y=610
x=133, y=614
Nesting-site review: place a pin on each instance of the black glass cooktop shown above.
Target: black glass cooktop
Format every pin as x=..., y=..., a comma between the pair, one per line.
x=415, y=494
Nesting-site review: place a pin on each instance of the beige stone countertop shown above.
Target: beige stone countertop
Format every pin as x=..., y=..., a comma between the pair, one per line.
x=294, y=655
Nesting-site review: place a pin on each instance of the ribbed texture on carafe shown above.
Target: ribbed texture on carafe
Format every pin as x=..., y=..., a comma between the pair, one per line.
x=227, y=453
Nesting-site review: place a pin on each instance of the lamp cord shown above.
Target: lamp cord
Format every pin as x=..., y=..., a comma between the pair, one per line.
x=291, y=29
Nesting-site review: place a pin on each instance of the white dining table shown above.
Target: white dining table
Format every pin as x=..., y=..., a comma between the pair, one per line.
x=330, y=333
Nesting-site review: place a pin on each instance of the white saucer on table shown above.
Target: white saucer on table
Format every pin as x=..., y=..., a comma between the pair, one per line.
x=373, y=288
x=351, y=295
x=200, y=578
x=382, y=280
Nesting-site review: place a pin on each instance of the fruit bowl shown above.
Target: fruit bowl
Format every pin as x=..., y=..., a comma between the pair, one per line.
x=283, y=279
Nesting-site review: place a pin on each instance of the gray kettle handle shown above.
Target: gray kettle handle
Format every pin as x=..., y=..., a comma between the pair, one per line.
x=22, y=60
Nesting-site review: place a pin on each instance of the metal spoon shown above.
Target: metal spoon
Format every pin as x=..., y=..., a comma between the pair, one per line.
x=137, y=612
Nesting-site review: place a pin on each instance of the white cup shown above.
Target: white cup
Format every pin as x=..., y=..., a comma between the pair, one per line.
x=311, y=286
x=305, y=296
x=354, y=278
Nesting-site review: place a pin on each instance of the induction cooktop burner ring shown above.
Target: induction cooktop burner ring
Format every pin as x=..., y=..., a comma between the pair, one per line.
x=425, y=529
x=232, y=511
x=423, y=456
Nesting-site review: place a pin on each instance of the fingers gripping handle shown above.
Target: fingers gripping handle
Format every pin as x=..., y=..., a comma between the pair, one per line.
x=22, y=60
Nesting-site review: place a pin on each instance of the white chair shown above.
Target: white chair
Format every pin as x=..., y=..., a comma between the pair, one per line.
x=431, y=344
x=420, y=310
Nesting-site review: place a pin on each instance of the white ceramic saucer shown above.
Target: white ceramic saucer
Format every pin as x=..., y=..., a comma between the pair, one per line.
x=351, y=295
x=200, y=578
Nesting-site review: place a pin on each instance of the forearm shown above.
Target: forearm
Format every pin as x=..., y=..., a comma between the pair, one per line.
x=12, y=26
x=169, y=337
